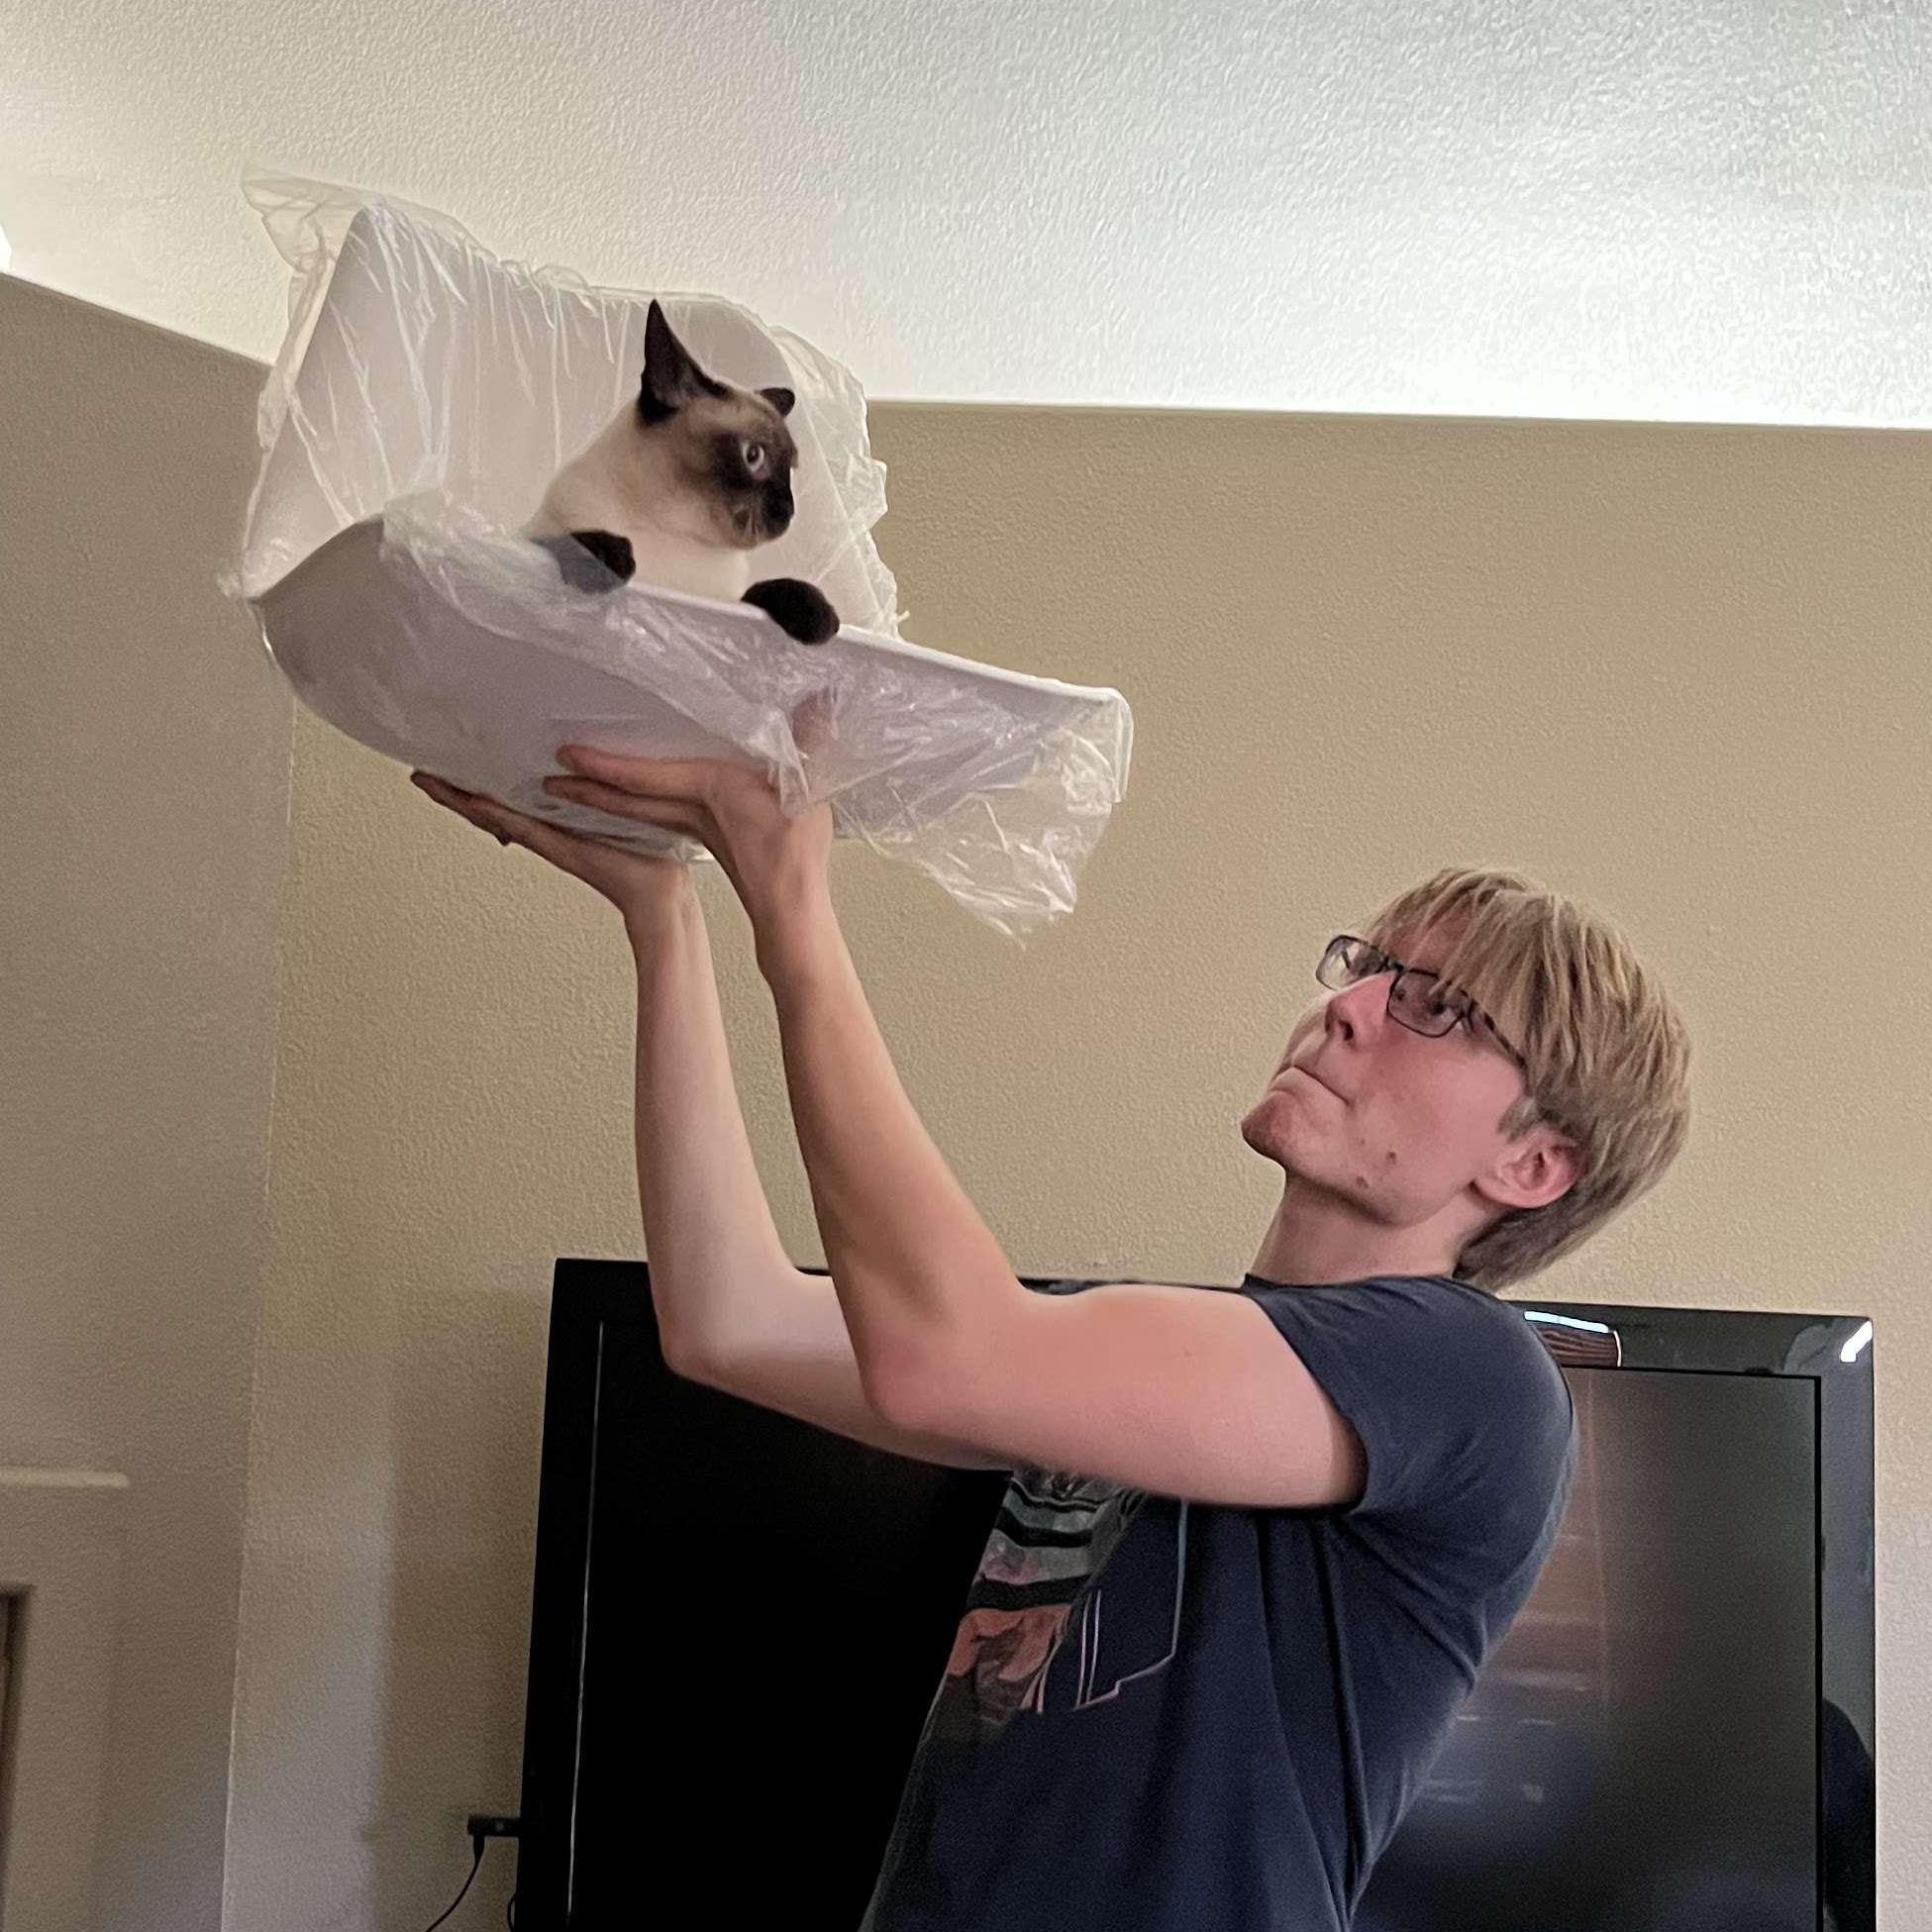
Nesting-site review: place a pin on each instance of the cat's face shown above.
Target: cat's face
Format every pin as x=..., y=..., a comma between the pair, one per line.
x=728, y=449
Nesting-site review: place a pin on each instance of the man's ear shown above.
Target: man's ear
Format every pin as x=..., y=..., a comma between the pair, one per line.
x=1540, y=1166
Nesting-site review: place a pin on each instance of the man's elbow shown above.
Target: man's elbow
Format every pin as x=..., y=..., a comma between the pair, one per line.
x=692, y=1357
x=939, y=1374
x=909, y=1383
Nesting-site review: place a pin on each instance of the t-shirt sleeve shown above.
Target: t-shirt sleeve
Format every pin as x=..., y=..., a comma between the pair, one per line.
x=1465, y=1420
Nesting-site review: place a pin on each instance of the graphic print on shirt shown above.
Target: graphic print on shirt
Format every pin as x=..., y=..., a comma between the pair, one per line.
x=1039, y=1585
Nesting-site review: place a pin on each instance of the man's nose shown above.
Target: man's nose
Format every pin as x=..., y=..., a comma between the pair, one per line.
x=1361, y=1007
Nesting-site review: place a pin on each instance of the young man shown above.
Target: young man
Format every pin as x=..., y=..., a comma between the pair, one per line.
x=1257, y=1541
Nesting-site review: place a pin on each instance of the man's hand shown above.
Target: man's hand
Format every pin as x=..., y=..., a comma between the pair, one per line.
x=777, y=864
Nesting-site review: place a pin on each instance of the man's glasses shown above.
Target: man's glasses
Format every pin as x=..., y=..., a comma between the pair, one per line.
x=1414, y=996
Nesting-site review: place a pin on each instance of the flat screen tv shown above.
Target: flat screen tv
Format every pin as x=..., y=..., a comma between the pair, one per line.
x=737, y=1621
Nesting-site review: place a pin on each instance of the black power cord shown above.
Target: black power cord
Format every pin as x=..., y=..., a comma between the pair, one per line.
x=458, y=1900
x=483, y=1825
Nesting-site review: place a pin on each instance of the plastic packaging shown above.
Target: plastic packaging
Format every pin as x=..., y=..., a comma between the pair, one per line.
x=425, y=394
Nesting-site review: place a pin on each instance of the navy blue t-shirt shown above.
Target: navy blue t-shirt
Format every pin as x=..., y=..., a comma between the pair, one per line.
x=1172, y=1717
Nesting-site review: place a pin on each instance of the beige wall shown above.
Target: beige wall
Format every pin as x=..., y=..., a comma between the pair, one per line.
x=143, y=834
x=1679, y=671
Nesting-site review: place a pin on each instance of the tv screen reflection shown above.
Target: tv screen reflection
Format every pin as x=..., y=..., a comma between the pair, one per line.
x=1639, y=1752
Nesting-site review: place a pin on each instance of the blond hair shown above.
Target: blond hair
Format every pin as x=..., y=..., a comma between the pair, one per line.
x=1608, y=1053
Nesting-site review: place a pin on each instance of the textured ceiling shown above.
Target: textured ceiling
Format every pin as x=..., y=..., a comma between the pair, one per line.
x=1572, y=208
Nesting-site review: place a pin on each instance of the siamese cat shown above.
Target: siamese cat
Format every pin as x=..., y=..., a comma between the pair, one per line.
x=679, y=488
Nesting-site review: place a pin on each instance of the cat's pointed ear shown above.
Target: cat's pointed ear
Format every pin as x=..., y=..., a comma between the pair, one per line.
x=671, y=377
x=780, y=399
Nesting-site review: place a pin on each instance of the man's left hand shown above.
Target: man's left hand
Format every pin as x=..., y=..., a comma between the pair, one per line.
x=779, y=865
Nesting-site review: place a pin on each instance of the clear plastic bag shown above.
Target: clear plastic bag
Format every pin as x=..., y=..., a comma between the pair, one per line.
x=425, y=394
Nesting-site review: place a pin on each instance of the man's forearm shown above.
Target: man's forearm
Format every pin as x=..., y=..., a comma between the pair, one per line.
x=918, y=1271
x=709, y=1237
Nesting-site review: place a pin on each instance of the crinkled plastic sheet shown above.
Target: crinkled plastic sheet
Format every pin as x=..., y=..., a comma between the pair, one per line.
x=423, y=397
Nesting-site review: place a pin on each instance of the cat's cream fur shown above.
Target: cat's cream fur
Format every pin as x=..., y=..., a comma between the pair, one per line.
x=679, y=488
x=636, y=485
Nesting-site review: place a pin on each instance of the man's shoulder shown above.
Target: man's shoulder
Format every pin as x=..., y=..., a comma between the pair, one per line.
x=1500, y=1347
x=1521, y=1338
x=1430, y=1353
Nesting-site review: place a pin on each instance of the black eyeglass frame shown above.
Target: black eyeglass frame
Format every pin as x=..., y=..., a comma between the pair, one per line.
x=1464, y=1010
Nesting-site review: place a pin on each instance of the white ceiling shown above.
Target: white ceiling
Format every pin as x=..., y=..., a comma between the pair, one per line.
x=1608, y=208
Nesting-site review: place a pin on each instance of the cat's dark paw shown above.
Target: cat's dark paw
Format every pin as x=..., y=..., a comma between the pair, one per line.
x=593, y=559
x=613, y=552
x=799, y=608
